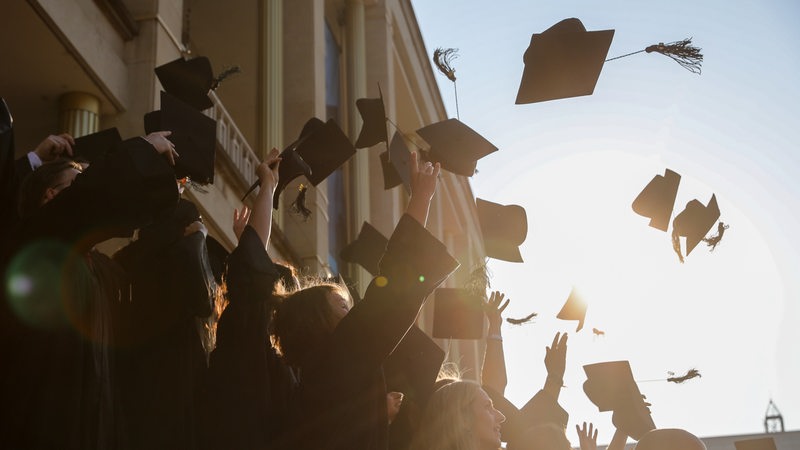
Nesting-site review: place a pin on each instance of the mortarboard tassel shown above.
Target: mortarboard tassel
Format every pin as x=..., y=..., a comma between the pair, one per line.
x=688, y=56
x=443, y=59
x=225, y=74
x=598, y=332
x=676, y=245
x=526, y=319
x=692, y=373
x=479, y=281
x=299, y=204
x=715, y=239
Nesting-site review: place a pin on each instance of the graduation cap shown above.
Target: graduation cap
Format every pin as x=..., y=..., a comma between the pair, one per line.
x=504, y=228
x=695, y=221
x=189, y=80
x=321, y=149
x=574, y=309
x=564, y=61
x=455, y=146
x=390, y=176
x=413, y=366
x=400, y=159
x=94, y=147
x=657, y=199
x=373, y=114
x=767, y=443
x=457, y=314
x=611, y=387
x=367, y=249
x=193, y=133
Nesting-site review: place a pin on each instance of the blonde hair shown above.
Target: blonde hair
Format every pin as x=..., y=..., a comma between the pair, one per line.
x=447, y=421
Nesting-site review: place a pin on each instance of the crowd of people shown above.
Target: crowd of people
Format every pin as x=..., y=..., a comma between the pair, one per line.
x=151, y=348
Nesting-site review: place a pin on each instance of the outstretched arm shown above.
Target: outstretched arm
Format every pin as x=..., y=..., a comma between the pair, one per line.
x=555, y=360
x=493, y=373
x=261, y=217
x=424, y=177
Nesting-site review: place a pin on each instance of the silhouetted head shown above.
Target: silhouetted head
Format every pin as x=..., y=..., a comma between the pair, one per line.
x=669, y=439
x=44, y=183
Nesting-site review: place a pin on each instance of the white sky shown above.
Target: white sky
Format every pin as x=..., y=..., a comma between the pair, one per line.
x=577, y=164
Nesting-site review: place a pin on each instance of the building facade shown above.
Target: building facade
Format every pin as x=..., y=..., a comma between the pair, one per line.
x=81, y=66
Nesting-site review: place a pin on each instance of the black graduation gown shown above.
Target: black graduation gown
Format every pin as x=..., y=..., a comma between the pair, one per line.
x=160, y=358
x=249, y=385
x=343, y=396
x=57, y=384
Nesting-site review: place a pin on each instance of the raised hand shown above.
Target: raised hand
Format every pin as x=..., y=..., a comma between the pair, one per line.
x=240, y=221
x=159, y=141
x=555, y=358
x=494, y=311
x=424, y=177
x=587, y=437
x=54, y=146
x=267, y=171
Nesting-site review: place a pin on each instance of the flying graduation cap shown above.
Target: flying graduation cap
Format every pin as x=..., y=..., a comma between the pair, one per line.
x=611, y=387
x=193, y=133
x=373, y=114
x=457, y=314
x=455, y=146
x=503, y=228
x=367, y=249
x=574, y=309
x=321, y=149
x=190, y=80
x=694, y=222
x=657, y=199
x=563, y=61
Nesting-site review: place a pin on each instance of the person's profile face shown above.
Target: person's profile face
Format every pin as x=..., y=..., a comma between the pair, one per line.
x=339, y=307
x=64, y=181
x=486, y=422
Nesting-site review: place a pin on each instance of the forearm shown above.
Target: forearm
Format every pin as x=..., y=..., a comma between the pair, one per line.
x=493, y=373
x=418, y=209
x=261, y=217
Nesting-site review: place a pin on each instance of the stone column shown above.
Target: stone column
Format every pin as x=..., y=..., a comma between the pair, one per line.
x=357, y=88
x=271, y=79
x=78, y=113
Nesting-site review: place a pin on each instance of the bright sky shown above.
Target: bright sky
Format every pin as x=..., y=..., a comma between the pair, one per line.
x=576, y=165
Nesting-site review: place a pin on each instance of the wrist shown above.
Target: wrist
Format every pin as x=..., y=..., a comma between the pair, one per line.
x=494, y=337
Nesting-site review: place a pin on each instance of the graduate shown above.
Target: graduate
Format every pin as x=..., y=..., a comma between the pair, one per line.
x=339, y=351
x=58, y=386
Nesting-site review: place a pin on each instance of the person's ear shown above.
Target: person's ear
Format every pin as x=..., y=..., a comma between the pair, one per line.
x=49, y=193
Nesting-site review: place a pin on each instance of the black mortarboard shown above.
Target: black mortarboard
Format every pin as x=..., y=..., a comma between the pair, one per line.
x=413, y=366
x=457, y=314
x=400, y=158
x=611, y=387
x=373, y=114
x=504, y=228
x=321, y=147
x=455, y=146
x=767, y=443
x=94, y=147
x=657, y=199
x=367, y=249
x=564, y=61
x=217, y=257
x=189, y=80
x=574, y=309
x=193, y=133
x=390, y=176
x=695, y=221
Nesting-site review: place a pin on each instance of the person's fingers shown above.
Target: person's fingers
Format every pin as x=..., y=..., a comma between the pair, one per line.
x=555, y=341
x=503, y=308
x=563, y=342
x=436, y=169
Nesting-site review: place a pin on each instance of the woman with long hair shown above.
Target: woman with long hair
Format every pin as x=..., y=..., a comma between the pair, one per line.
x=459, y=416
